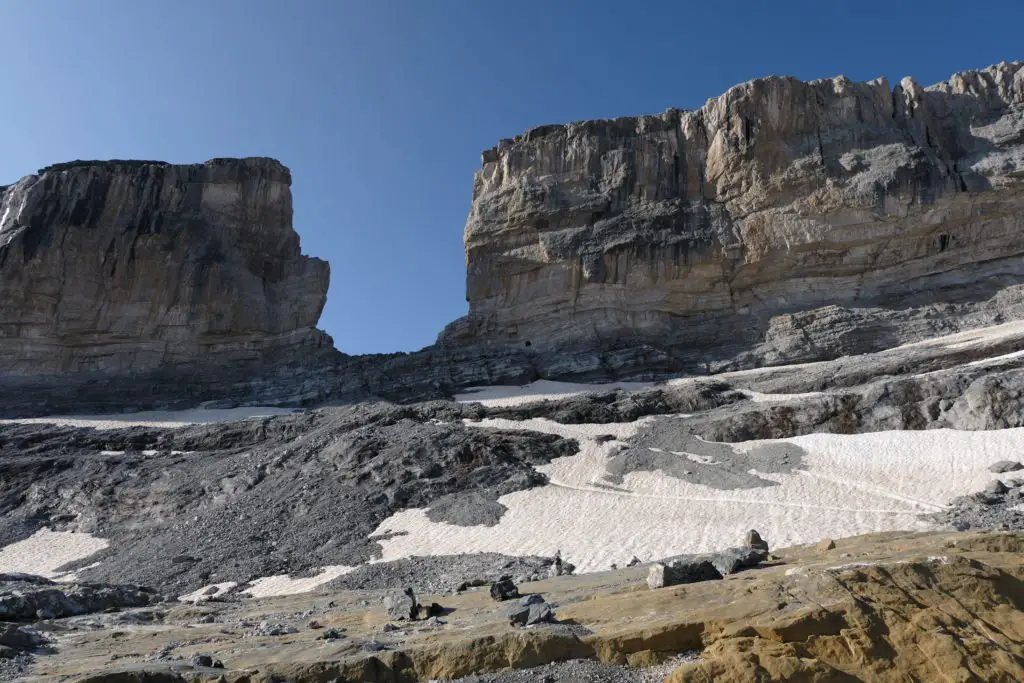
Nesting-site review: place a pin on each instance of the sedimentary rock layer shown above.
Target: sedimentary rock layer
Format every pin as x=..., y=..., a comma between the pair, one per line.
x=122, y=269
x=782, y=221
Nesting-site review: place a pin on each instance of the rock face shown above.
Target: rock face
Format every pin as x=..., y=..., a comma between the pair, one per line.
x=123, y=269
x=782, y=221
x=28, y=598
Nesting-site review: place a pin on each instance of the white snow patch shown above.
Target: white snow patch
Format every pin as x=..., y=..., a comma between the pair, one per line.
x=758, y=397
x=154, y=418
x=45, y=551
x=283, y=584
x=994, y=360
x=202, y=594
x=849, y=485
x=541, y=390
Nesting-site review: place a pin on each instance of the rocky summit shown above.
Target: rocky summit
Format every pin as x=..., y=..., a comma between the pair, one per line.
x=805, y=462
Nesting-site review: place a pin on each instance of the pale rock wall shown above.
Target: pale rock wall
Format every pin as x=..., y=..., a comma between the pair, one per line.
x=118, y=269
x=717, y=234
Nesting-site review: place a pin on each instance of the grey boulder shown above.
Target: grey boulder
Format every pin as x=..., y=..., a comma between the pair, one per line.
x=504, y=590
x=401, y=605
x=681, y=570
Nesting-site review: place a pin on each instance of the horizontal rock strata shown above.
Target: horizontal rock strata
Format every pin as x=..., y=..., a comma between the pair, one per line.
x=125, y=269
x=782, y=221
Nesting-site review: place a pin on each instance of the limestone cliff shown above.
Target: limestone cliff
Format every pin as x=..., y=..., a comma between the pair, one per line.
x=122, y=269
x=782, y=221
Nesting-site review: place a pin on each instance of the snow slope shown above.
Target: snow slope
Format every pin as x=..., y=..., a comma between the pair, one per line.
x=848, y=485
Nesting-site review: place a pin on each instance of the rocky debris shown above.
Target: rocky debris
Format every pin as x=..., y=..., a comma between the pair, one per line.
x=14, y=637
x=19, y=577
x=819, y=618
x=444, y=574
x=603, y=407
x=680, y=571
x=983, y=511
x=126, y=617
x=332, y=634
x=996, y=488
x=849, y=395
x=268, y=628
x=754, y=540
x=37, y=598
x=1003, y=466
x=531, y=610
x=585, y=671
x=732, y=560
x=718, y=465
x=504, y=590
x=560, y=567
x=243, y=500
x=401, y=605
x=469, y=508
x=825, y=545
x=206, y=662
x=645, y=244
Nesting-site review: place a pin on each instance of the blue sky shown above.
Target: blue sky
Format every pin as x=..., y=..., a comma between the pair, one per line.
x=381, y=108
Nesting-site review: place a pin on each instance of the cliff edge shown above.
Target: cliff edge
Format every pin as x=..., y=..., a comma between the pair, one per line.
x=783, y=221
x=133, y=270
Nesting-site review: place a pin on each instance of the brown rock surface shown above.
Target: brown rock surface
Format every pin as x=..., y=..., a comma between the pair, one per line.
x=826, y=544
x=927, y=607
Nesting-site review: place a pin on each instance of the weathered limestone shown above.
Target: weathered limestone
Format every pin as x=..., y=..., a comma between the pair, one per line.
x=121, y=269
x=782, y=221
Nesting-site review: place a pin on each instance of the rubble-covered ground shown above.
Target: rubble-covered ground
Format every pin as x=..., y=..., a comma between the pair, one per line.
x=181, y=508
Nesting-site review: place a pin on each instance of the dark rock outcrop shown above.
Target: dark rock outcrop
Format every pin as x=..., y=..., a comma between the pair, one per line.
x=783, y=221
x=33, y=598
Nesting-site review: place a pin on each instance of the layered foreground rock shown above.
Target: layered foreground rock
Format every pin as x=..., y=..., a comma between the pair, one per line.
x=882, y=607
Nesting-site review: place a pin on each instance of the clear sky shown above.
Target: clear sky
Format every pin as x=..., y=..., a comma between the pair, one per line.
x=382, y=107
